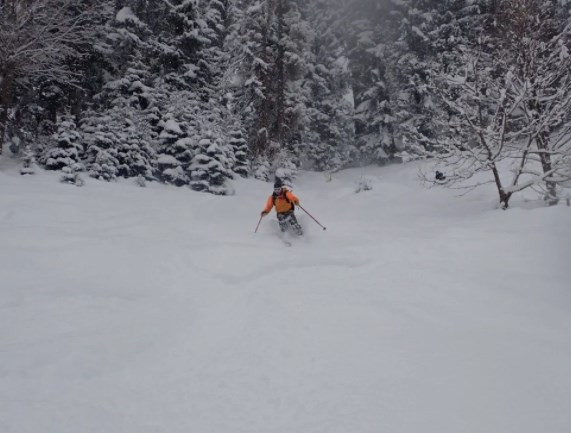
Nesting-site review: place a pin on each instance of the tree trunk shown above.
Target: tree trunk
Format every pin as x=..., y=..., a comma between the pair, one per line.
x=542, y=143
x=262, y=124
x=6, y=82
x=545, y=158
x=504, y=197
x=280, y=64
x=3, y=120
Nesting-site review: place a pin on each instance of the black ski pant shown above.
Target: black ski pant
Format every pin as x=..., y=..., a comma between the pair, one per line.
x=288, y=219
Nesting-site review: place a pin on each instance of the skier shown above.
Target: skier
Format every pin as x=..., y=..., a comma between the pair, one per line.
x=284, y=201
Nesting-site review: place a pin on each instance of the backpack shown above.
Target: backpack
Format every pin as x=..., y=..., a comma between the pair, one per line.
x=274, y=197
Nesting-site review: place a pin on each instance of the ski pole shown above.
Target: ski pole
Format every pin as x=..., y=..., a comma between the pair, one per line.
x=311, y=216
x=261, y=216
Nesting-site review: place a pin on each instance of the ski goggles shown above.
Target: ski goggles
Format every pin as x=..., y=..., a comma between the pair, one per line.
x=277, y=190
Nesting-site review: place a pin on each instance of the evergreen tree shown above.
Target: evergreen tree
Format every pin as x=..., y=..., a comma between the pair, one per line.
x=208, y=171
x=116, y=135
x=101, y=142
x=175, y=152
x=135, y=154
x=192, y=92
x=66, y=149
x=373, y=113
x=213, y=32
x=330, y=135
x=240, y=151
x=252, y=67
x=294, y=56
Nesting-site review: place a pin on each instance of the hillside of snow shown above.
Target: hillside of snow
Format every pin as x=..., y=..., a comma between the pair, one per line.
x=158, y=310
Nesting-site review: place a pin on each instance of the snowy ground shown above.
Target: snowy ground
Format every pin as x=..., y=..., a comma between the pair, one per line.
x=158, y=310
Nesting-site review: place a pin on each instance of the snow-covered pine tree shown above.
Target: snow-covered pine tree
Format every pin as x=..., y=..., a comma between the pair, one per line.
x=217, y=102
x=269, y=61
x=261, y=168
x=408, y=74
x=251, y=65
x=117, y=134
x=208, y=170
x=455, y=29
x=292, y=73
x=182, y=39
x=294, y=39
x=175, y=152
x=119, y=123
x=370, y=28
x=136, y=156
x=213, y=30
x=330, y=133
x=66, y=149
x=283, y=168
x=241, y=165
x=128, y=38
x=101, y=140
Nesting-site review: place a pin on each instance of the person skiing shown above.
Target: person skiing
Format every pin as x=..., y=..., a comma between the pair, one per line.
x=284, y=202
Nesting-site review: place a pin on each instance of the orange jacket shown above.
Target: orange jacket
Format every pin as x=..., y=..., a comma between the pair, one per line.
x=283, y=202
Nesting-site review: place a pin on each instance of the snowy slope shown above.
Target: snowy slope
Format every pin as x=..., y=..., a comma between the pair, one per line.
x=158, y=310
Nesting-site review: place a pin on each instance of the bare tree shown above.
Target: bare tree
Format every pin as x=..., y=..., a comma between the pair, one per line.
x=38, y=40
x=538, y=40
x=478, y=135
x=511, y=106
x=544, y=89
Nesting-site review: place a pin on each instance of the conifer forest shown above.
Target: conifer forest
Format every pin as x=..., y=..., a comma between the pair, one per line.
x=198, y=92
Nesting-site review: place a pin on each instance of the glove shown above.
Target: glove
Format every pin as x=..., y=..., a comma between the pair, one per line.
x=264, y=213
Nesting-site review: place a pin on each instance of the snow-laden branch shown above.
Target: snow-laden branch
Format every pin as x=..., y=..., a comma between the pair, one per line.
x=40, y=37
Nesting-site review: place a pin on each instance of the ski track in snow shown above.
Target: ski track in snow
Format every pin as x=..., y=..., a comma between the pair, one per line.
x=158, y=310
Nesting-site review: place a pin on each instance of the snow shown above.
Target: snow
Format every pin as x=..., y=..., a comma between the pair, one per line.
x=419, y=33
x=126, y=14
x=165, y=159
x=157, y=309
x=363, y=107
x=173, y=127
x=256, y=7
x=349, y=97
x=342, y=63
